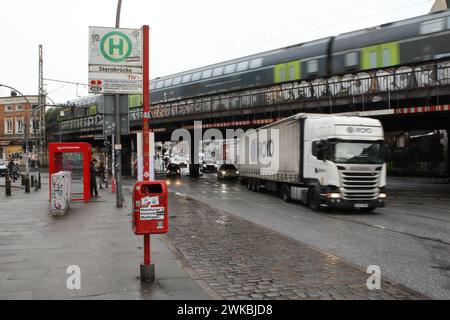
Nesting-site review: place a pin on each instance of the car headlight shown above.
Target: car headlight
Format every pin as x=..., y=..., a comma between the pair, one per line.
x=382, y=195
x=224, y=172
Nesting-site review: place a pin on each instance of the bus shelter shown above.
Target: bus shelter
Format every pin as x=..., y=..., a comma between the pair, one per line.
x=74, y=157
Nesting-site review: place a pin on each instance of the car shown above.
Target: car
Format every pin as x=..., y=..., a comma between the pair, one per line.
x=173, y=170
x=208, y=166
x=3, y=168
x=227, y=171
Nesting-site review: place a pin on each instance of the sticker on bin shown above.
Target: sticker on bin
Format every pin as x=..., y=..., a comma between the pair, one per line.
x=149, y=214
x=153, y=201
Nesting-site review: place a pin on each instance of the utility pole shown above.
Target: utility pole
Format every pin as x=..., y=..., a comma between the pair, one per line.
x=39, y=145
x=117, y=131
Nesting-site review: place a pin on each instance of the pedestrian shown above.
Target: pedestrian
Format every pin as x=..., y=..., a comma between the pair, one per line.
x=101, y=174
x=93, y=170
x=12, y=169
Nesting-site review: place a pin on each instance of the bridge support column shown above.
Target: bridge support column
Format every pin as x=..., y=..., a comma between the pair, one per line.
x=447, y=155
x=194, y=167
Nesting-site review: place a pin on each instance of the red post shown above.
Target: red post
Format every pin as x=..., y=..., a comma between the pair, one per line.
x=147, y=259
x=146, y=120
x=146, y=100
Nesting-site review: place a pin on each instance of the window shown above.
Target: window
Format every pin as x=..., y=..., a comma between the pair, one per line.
x=159, y=84
x=19, y=108
x=283, y=74
x=177, y=81
x=168, y=82
x=242, y=66
x=386, y=57
x=432, y=26
x=351, y=59
x=256, y=63
x=8, y=126
x=448, y=23
x=196, y=76
x=19, y=125
x=8, y=108
x=312, y=66
x=373, y=60
x=218, y=72
x=186, y=78
x=152, y=86
x=230, y=68
x=206, y=74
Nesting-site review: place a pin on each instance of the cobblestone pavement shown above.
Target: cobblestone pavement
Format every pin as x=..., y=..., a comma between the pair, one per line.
x=240, y=260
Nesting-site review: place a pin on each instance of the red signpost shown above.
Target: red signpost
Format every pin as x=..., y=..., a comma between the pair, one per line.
x=150, y=198
x=146, y=124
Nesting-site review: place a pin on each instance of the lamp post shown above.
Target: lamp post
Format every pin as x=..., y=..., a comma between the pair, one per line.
x=26, y=134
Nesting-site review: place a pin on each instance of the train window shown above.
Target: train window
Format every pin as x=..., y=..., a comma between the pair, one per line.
x=177, y=81
x=206, y=74
x=282, y=74
x=386, y=57
x=152, y=85
x=256, y=63
x=230, y=68
x=373, y=59
x=351, y=59
x=312, y=66
x=196, y=76
x=291, y=72
x=432, y=26
x=186, y=78
x=168, y=83
x=159, y=84
x=242, y=66
x=448, y=23
x=218, y=72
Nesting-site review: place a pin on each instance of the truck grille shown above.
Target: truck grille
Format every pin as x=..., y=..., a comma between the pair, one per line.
x=360, y=186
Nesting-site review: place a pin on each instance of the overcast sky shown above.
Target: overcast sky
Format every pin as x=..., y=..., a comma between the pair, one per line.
x=184, y=33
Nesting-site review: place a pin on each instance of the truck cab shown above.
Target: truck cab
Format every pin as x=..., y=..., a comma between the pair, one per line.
x=344, y=163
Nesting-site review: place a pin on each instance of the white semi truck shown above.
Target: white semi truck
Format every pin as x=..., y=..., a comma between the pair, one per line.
x=324, y=161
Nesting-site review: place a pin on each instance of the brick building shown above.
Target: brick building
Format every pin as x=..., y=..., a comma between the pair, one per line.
x=15, y=112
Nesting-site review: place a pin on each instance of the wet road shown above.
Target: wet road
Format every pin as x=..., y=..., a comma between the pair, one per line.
x=409, y=240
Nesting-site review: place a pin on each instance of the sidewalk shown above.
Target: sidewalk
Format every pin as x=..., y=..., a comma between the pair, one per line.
x=36, y=249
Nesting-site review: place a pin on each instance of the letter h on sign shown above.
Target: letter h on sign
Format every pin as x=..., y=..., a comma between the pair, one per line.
x=113, y=46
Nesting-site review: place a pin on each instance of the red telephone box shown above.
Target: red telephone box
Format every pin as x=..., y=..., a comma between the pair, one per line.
x=150, y=208
x=82, y=163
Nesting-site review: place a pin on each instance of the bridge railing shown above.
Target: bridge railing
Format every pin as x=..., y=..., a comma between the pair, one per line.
x=373, y=84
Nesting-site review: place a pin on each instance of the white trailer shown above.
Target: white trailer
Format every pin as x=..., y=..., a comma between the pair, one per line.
x=324, y=161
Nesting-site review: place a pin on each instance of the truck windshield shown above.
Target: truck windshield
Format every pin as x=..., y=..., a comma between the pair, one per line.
x=357, y=152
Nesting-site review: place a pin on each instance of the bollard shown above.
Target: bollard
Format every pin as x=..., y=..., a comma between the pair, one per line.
x=39, y=180
x=7, y=184
x=27, y=184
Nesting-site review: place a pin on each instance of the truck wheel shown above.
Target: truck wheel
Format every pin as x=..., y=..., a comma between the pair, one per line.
x=286, y=193
x=314, y=199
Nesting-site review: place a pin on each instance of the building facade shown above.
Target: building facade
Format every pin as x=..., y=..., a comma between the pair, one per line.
x=15, y=115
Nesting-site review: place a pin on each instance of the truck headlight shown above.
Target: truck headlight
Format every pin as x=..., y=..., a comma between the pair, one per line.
x=382, y=195
x=334, y=195
x=224, y=172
